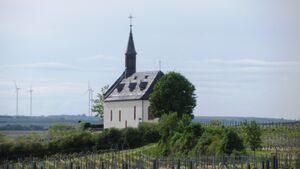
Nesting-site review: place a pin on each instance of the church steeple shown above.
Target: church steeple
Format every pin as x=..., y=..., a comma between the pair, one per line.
x=130, y=55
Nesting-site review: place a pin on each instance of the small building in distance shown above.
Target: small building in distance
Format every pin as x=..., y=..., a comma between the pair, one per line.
x=126, y=102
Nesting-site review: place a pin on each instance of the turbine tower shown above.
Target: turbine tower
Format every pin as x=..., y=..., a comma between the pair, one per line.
x=30, y=106
x=17, y=99
x=90, y=99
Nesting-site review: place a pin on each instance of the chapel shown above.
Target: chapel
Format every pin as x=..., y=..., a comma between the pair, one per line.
x=126, y=102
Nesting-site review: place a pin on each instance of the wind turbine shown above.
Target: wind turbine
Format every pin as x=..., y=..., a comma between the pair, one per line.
x=90, y=101
x=17, y=99
x=30, y=107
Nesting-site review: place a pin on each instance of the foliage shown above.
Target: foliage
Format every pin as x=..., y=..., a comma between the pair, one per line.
x=215, y=123
x=6, y=145
x=253, y=135
x=108, y=139
x=181, y=137
x=71, y=143
x=231, y=142
x=167, y=125
x=86, y=126
x=61, y=130
x=132, y=137
x=63, y=138
x=209, y=142
x=178, y=136
x=98, y=106
x=150, y=133
x=173, y=93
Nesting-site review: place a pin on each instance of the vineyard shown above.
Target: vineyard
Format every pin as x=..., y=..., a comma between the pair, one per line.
x=112, y=159
x=280, y=149
x=275, y=136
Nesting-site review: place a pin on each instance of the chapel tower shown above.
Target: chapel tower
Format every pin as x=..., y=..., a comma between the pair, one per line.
x=130, y=56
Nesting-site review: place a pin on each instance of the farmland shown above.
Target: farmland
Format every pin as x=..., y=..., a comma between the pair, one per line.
x=140, y=158
x=113, y=148
x=282, y=139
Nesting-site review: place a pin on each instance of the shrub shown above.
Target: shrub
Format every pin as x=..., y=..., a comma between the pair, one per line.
x=231, y=142
x=72, y=143
x=208, y=143
x=150, y=133
x=168, y=124
x=132, y=137
x=109, y=138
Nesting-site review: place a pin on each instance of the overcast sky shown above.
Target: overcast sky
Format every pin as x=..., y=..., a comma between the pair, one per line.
x=243, y=56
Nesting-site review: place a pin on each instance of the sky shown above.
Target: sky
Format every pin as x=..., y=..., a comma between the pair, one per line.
x=243, y=56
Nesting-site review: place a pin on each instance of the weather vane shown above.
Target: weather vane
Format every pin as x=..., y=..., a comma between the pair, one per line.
x=130, y=19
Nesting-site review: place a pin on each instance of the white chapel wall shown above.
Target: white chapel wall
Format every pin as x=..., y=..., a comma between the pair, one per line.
x=127, y=113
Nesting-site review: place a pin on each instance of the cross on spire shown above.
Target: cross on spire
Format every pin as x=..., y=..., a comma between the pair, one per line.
x=130, y=20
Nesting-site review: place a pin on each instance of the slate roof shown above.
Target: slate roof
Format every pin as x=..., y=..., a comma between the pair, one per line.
x=130, y=46
x=138, y=86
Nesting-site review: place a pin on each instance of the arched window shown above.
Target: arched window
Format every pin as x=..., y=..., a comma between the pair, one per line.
x=111, y=115
x=125, y=123
x=134, y=112
x=119, y=115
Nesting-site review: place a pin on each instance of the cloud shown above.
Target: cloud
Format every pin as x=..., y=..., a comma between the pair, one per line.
x=219, y=66
x=97, y=57
x=43, y=65
x=255, y=62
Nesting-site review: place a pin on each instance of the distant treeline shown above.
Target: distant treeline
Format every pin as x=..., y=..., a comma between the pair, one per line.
x=231, y=121
x=23, y=128
x=47, y=121
x=262, y=124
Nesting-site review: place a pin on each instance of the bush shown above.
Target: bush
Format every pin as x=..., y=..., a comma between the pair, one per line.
x=6, y=149
x=132, y=137
x=72, y=143
x=109, y=138
x=196, y=129
x=168, y=124
x=68, y=139
x=208, y=143
x=231, y=142
x=61, y=130
x=150, y=133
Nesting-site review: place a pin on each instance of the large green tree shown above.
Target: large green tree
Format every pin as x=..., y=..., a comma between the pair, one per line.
x=98, y=106
x=173, y=93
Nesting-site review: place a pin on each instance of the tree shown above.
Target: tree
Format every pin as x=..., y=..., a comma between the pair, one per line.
x=98, y=106
x=253, y=135
x=231, y=142
x=173, y=93
x=168, y=124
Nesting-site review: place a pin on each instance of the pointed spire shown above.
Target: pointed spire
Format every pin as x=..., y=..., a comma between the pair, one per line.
x=130, y=45
x=130, y=55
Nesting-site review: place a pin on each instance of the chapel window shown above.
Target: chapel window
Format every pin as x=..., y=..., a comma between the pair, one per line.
x=134, y=112
x=111, y=115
